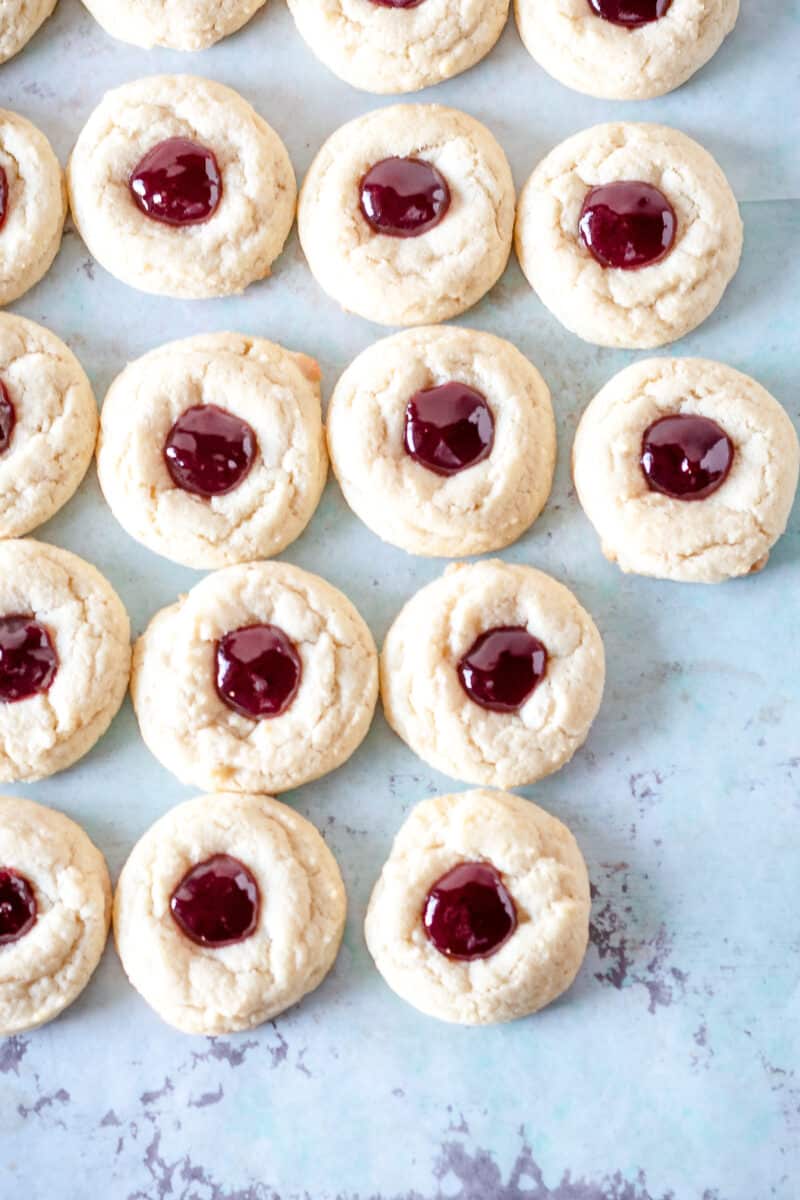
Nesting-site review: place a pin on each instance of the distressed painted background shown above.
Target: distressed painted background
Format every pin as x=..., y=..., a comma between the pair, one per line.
x=671, y=1069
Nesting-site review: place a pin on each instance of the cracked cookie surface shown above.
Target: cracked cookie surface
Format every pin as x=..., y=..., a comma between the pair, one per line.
x=634, y=309
x=19, y=21
x=426, y=705
x=384, y=49
x=194, y=734
x=727, y=534
x=275, y=392
x=602, y=59
x=90, y=631
x=55, y=425
x=482, y=508
x=543, y=870
x=408, y=280
x=217, y=257
x=35, y=205
x=47, y=968
x=204, y=989
x=181, y=25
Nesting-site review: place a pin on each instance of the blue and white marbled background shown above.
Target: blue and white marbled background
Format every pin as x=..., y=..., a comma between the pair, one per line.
x=671, y=1069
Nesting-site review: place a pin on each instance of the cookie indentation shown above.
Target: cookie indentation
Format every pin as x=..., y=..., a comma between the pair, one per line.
x=403, y=197
x=686, y=456
x=503, y=668
x=448, y=428
x=469, y=913
x=178, y=182
x=209, y=451
x=627, y=225
x=28, y=658
x=18, y=908
x=217, y=902
x=258, y=671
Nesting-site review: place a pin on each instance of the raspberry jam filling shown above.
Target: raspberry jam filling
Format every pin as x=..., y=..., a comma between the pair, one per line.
x=216, y=903
x=469, y=912
x=448, y=428
x=18, y=906
x=3, y=197
x=28, y=659
x=258, y=671
x=8, y=417
x=627, y=225
x=403, y=197
x=502, y=668
x=178, y=182
x=630, y=13
x=686, y=456
x=209, y=451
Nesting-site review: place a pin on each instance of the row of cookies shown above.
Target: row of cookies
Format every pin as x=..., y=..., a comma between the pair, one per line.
x=211, y=450
x=629, y=233
x=265, y=677
x=614, y=49
x=231, y=908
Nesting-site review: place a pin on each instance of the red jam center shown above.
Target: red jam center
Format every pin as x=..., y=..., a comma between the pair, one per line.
x=404, y=197
x=8, y=417
x=217, y=902
x=258, y=671
x=17, y=906
x=630, y=13
x=28, y=659
x=448, y=428
x=686, y=457
x=3, y=197
x=178, y=182
x=502, y=668
x=469, y=912
x=209, y=451
x=627, y=225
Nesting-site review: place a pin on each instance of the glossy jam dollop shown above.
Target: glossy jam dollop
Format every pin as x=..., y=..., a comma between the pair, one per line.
x=469, y=912
x=217, y=902
x=630, y=13
x=448, y=428
x=502, y=668
x=28, y=659
x=209, y=451
x=8, y=417
x=627, y=225
x=178, y=182
x=686, y=456
x=258, y=671
x=403, y=197
x=3, y=197
x=18, y=906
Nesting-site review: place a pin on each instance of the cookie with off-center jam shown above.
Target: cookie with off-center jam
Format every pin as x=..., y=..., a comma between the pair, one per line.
x=443, y=440
x=55, y=908
x=262, y=678
x=493, y=673
x=229, y=909
x=406, y=214
x=687, y=469
x=481, y=911
x=629, y=233
x=178, y=187
x=33, y=204
x=64, y=658
x=211, y=449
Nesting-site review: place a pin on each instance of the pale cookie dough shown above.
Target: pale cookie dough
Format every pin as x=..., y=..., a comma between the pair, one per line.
x=409, y=280
x=204, y=989
x=55, y=425
x=19, y=21
x=542, y=868
x=178, y=24
x=730, y=532
x=602, y=59
x=47, y=968
x=203, y=741
x=274, y=391
x=636, y=309
x=389, y=50
x=483, y=507
x=427, y=707
x=36, y=205
x=89, y=629
x=220, y=256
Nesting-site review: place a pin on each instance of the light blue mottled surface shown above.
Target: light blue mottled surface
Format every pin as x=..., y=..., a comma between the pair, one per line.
x=671, y=1069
